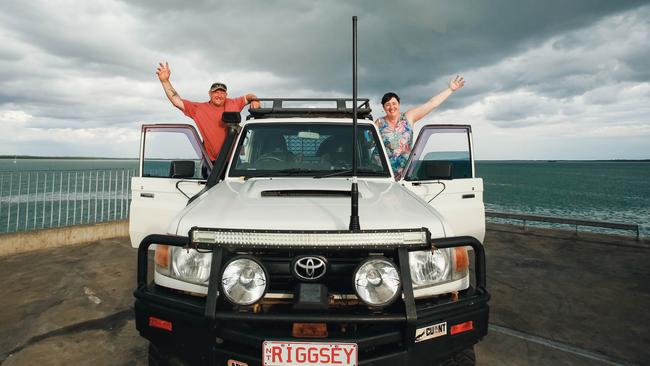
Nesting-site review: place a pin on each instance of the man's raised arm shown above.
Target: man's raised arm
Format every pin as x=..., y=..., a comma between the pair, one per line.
x=163, y=73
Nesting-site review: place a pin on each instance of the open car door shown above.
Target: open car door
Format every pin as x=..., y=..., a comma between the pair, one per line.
x=173, y=168
x=441, y=171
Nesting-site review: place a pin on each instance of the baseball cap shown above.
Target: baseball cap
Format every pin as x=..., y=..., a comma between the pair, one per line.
x=218, y=86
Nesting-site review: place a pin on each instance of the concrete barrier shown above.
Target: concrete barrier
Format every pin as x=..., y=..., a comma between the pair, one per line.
x=27, y=241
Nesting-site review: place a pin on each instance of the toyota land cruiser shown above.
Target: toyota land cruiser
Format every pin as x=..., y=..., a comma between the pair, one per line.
x=256, y=264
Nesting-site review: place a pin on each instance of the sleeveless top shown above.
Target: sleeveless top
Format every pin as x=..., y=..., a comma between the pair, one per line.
x=398, y=142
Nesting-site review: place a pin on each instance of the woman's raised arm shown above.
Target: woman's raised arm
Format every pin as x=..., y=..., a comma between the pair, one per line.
x=417, y=113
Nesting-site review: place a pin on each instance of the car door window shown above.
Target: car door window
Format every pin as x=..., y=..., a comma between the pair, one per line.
x=170, y=151
x=441, y=153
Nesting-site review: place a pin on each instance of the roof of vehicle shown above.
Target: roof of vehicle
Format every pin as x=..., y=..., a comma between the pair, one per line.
x=306, y=120
x=311, y=108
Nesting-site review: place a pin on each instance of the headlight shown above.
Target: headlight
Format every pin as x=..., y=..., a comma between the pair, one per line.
x=244, y=281
x=428, y=268
x=442, y=265
x=190, y=265
x=377, y=281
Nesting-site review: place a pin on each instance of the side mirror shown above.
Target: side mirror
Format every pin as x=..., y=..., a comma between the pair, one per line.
x=435, y=170
x=231, y=118
x=182, y=169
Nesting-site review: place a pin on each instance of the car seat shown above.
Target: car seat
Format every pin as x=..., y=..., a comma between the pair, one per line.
x=336, y=150
x=273, y=147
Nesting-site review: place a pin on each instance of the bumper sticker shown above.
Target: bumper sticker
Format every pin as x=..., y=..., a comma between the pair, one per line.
x=430, y=332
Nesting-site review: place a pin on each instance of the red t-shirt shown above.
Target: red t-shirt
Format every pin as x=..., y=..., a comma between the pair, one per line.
x=207, y=117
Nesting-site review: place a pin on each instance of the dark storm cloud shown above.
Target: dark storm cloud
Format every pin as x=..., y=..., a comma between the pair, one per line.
x=401, y=44
x=90, y=37
x=91, y=64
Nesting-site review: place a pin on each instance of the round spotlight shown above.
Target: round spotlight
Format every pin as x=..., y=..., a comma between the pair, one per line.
x=377, y=281
x=244, y=281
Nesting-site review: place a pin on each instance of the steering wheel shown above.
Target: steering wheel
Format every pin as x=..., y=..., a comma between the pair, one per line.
x=269, y=157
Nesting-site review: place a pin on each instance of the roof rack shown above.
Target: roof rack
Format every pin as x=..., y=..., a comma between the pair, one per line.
x=340, y=110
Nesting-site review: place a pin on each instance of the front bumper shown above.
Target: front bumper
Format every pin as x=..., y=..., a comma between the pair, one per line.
x=201, y=333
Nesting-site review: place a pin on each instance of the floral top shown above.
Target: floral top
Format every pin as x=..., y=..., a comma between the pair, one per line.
x=398, y=142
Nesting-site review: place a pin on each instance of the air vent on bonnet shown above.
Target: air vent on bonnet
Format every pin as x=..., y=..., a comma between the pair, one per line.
x=305, y=193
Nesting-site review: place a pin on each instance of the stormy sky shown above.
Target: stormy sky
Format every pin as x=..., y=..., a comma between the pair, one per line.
x=545, y=79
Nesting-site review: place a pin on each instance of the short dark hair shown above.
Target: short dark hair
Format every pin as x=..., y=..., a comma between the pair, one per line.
x=388, y=96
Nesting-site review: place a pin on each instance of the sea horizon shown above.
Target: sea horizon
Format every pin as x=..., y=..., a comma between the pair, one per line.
x=613, y=190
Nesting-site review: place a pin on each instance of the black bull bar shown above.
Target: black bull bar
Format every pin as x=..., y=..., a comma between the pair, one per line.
x=409, y=317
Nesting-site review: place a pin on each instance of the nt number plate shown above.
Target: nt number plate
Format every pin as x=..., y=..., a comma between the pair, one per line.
x=276, y=353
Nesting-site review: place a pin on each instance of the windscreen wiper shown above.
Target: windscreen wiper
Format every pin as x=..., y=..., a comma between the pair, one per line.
x=371, y=173
x=360, y=172
x=292, y=171
x=333, y=174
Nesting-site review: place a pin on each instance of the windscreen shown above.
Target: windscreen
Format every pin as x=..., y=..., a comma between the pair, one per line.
x=316, y=149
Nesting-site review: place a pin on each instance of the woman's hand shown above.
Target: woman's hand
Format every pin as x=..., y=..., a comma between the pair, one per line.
x=456, y=83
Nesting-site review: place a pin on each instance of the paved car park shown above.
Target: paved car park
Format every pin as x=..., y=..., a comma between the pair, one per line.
x=557, y=299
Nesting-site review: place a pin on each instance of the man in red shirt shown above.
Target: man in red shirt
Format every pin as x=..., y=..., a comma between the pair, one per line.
x=207, y=115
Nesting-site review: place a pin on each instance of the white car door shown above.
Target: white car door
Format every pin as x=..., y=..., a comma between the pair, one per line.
x=441, y=171
x=173, y=167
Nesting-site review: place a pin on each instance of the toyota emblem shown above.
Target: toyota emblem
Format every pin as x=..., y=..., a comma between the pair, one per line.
x=310, y=268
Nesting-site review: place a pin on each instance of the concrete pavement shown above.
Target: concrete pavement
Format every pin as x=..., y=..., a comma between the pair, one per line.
x=557, y=299
x=561, y=299
x=70, y=306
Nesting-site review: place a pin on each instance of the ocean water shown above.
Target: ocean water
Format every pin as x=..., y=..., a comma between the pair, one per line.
x=43, y=193
x=20, y=165
x=604, y=191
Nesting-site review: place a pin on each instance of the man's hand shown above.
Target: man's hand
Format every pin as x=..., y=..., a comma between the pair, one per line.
x=456, y=83
x=254, y=102
x=163, y=72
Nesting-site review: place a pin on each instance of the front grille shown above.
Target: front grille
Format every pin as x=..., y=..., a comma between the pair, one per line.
x=338, y=280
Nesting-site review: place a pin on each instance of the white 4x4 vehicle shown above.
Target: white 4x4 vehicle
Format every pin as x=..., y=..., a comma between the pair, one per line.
x=256, y=265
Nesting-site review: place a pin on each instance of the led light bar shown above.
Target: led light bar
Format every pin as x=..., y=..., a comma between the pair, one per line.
x=316, y=239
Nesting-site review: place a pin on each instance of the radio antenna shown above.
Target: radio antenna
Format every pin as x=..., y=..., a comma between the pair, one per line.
x=354, y=191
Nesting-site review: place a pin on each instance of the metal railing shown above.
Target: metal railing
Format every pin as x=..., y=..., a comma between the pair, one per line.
x=32, y=200
x=561, y=220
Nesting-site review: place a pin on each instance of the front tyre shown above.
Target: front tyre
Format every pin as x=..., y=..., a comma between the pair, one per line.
x=465, y=357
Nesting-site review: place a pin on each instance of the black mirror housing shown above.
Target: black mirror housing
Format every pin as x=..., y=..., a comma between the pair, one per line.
x=231, y=118
x=436, y=170
x=182, y=169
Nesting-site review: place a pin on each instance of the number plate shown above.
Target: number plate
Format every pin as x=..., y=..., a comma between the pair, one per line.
x=306, y=353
